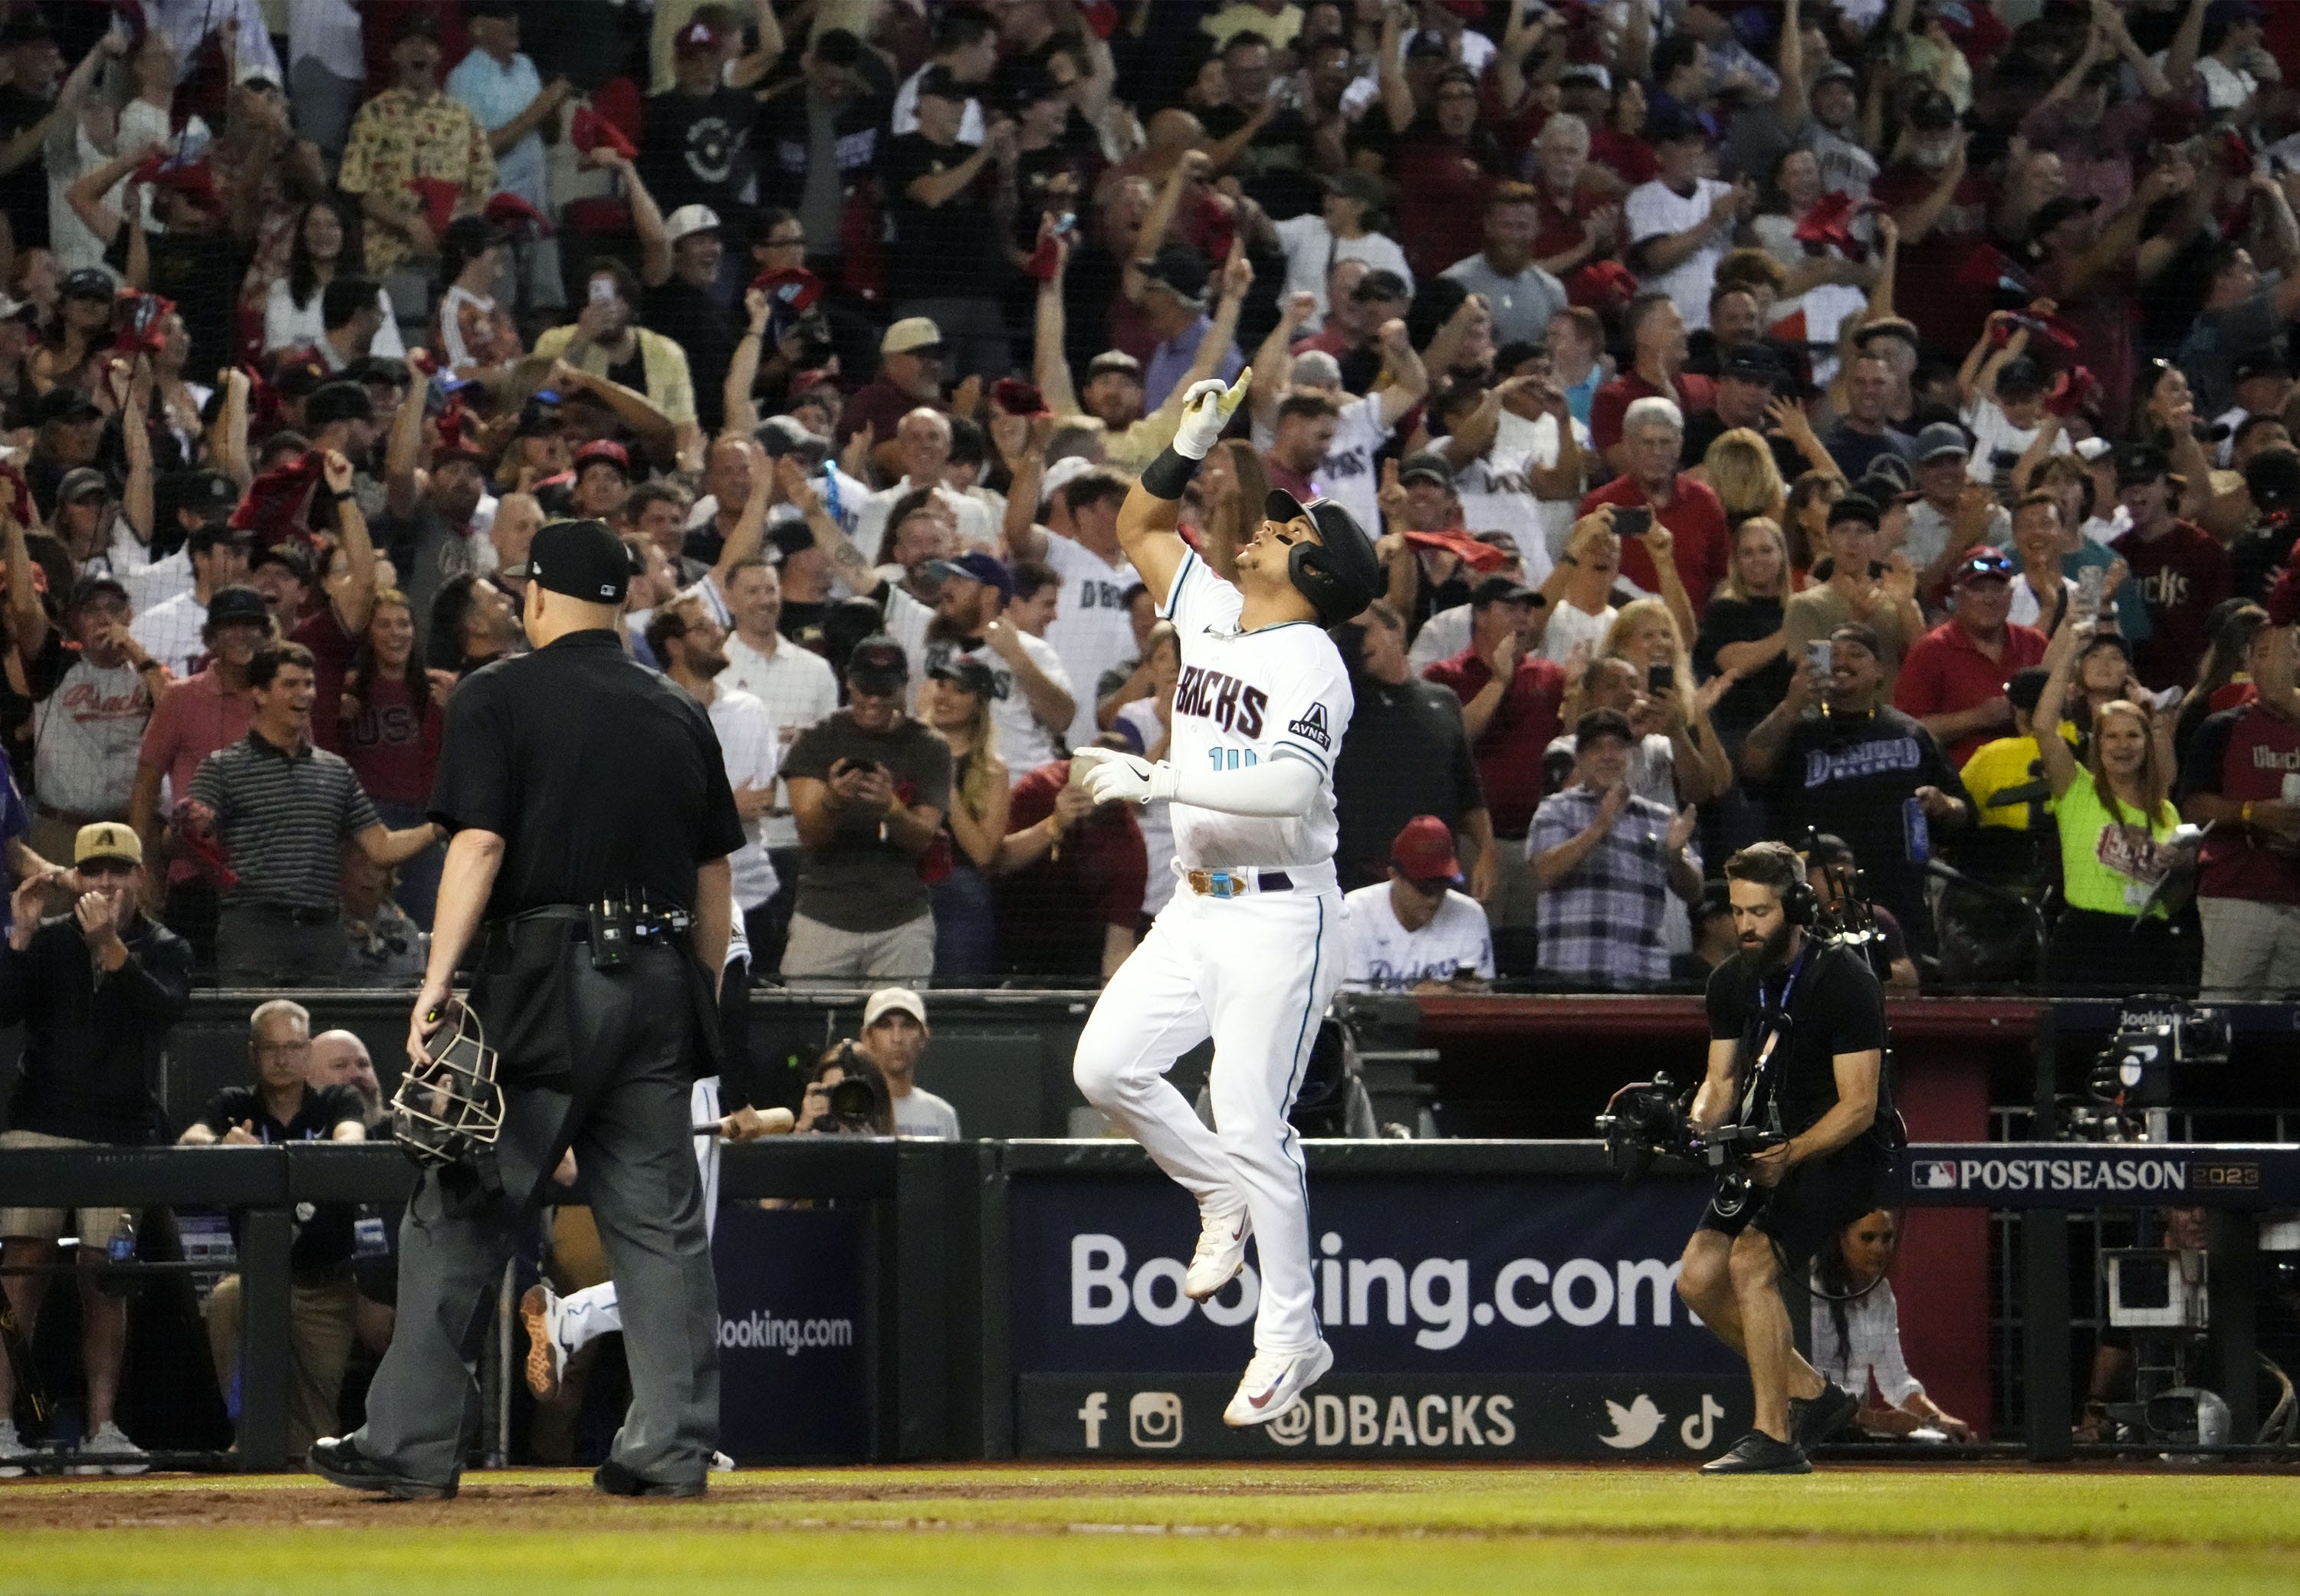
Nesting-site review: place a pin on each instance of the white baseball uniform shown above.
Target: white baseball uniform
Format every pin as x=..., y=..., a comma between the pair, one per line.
x=1254, y=970
x=1378, y=952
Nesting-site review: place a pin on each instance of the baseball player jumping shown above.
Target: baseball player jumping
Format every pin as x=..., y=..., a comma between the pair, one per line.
x=1250, y=951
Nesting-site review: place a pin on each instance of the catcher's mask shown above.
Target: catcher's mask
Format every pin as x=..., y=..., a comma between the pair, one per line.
x=450, y=1111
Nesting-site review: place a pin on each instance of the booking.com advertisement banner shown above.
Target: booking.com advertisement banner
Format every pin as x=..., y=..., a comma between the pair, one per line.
x=793, y=1370
x=1521, y=1315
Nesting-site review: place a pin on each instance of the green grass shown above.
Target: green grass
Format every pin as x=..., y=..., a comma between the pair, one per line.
x=1068, y=1532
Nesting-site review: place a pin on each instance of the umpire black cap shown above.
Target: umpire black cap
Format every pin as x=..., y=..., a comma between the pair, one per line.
x=580, y=559
x=1339, y=574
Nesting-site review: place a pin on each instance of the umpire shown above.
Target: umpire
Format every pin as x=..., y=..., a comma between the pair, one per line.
x=591, y=822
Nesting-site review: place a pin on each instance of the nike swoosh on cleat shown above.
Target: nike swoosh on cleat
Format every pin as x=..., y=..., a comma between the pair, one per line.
x=1263, y=1400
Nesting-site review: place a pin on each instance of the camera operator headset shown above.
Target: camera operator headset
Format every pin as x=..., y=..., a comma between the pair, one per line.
x=1797, y=1086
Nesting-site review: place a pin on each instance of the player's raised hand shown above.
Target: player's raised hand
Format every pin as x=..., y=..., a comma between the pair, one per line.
x=1206, y=410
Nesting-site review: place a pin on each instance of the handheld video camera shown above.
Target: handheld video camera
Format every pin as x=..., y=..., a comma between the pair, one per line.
x=1643, y=1121
x=1652, y=1119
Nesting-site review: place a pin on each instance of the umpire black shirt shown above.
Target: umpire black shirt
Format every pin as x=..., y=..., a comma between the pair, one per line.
x=600, y=776
x=92, y=1038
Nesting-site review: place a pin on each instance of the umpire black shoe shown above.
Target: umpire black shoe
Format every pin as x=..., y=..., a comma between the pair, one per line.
x=617, y=1479
x=1814, y=1421
x=337, y=1461
x=1759, y=1453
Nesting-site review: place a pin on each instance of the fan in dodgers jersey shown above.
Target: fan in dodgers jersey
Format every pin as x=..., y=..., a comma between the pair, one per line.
x=1249, y=950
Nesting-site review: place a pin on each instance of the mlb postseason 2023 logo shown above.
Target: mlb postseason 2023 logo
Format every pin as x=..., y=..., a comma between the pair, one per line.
x=1471, y=1318
x=2103, y=1174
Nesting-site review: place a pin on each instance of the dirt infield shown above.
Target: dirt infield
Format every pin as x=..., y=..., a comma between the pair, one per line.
x=2010, y=1503
x=540, y=1500
x=1050, y=1530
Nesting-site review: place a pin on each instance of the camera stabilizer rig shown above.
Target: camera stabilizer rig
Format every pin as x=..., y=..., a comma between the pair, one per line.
x=1646, y=1120
x=1649, y=1120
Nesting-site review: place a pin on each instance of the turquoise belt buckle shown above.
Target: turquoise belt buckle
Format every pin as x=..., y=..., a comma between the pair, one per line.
x=1227, y=885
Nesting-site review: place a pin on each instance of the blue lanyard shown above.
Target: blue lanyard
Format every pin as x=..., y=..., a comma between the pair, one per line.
x=1763, y=1057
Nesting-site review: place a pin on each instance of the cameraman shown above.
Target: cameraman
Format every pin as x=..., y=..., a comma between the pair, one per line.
x=1797, y=1031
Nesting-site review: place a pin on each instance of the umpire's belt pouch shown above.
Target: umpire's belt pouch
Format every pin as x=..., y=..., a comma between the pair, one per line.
x=521, y=995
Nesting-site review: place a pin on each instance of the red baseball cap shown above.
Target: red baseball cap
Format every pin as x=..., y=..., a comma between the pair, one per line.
x=1424, y=852
x=698, y=36
x=607, y=449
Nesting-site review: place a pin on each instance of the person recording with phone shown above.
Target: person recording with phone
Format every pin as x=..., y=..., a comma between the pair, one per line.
x=1861, y=587
x=1834, y=756
x=1699, y=543
x=869, y=784
x=1797, y=1078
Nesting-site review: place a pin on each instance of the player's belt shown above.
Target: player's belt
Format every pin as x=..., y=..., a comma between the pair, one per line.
x=1236, y=883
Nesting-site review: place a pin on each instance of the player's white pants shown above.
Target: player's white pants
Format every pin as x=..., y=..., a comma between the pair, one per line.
x=592, y=1312
x=1255, y=973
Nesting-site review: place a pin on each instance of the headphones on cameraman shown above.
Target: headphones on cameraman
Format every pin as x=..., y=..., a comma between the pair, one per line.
x=1801, y=905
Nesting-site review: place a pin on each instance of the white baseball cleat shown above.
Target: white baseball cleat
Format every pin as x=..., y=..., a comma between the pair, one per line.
x=546, y=1354
x=1221, y=1251
x=1274, y=1383
x=721, y=1463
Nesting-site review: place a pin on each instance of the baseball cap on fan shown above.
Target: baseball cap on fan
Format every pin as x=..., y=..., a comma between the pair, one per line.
x=1422, y=853
x=581, y=559
x=893, y=1000
x=912, y=334
x=879, y=665
x=976, y=566
x=107, y=839
x=689, y=221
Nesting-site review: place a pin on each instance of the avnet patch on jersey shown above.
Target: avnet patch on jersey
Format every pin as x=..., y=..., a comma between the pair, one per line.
x=1312, y=727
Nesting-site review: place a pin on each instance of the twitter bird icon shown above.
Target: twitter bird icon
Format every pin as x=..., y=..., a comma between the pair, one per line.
x=1633, y=1425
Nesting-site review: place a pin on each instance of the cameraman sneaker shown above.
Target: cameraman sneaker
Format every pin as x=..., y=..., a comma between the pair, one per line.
x=1797, y=1044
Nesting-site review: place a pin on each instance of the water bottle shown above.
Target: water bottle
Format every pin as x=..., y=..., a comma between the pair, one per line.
x=116, y=1279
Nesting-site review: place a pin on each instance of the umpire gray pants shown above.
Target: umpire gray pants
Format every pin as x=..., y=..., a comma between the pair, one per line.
x=625, y=1112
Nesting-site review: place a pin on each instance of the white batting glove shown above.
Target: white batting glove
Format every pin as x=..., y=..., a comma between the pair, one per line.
x=1206, y=410
x=1111, y=776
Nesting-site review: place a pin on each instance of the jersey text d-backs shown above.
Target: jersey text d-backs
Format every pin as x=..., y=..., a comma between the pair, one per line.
x=1277, y=692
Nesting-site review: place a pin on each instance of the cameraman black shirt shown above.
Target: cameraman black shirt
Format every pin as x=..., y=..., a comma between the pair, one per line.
x=1837, y=1006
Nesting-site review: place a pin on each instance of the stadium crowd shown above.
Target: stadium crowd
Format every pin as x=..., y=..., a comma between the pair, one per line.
x=1859, y=422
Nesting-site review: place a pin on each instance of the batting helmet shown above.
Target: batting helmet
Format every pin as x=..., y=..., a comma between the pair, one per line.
x=1338, y=574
